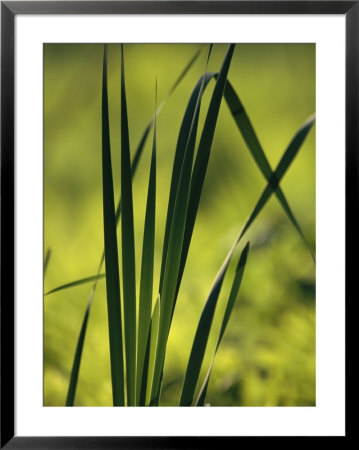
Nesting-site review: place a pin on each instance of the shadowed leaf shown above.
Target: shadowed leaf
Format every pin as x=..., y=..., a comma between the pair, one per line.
x=134, y=165
x=146, y=284
x=77, y=283
x=182, y=209
x=202, y=333
x=77, y=360
x=111, y=255
x=153, y=347
x=128, y=248
x=231, y=300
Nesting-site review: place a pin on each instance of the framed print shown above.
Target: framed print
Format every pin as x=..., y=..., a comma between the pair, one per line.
x=177, y=180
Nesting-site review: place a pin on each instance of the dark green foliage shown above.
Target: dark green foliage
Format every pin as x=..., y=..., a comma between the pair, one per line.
x=138, y=342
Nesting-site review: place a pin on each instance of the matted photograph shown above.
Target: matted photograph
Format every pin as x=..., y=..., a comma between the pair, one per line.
x=179, y=224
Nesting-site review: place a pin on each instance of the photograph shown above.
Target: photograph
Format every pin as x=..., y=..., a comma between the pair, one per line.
x=179, y=224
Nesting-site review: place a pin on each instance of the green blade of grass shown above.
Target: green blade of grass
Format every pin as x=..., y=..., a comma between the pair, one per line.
x=283, y=165
x=183, y=73
x=181, y=211
x=134, y=165
x=77, y=283
x=153, y=347
x=128, y=248
x=174, y=246
x=145, y=138
x=202, y=158
x=286, y=160
x=144, y=374
x=231, y=300
x=244, y=125
x=178, y=161
x=234, y=291
x=137, y=157
x=232, y=107
x=205, y=144
x=198, y=348
x=146, y=283
x=77, y=360
x=201, y=339
x=140, y=147
x=111, y=254
x=202, y=334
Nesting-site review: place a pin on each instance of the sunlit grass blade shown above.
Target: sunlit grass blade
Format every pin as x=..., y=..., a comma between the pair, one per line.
x=128, y=248
x=202, y=334
x=241, y=118
x=76, y=283
x=47, y=259
x=231, y=300
x=134, y=165
x=174, y=247
x=202, y=158
x=111, y=254
x=146, y=283
x=153, y=347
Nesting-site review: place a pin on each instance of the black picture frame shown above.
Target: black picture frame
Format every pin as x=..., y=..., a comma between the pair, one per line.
x=9, y=10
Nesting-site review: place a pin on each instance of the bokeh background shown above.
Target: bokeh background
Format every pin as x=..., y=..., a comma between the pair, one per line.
x=267, y=357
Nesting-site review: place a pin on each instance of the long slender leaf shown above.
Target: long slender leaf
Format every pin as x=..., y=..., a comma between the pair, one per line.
x=204, y=148
x=128, y=248
x=198, y=348
x=244, y=125
x=153, y=347
x=230, y=303
x=286, y=160
x=146, y=284
x=274, y=181
x=202, y=334
x=179, y=158
x=174, y=246
x=273, y=184
x=139, y=150
x=77, y=360
x=77, y=283
x=181, y=210
x=111, y=254
x=201, y=339
x=134, y=165
x=143, y=140
x=183, y=73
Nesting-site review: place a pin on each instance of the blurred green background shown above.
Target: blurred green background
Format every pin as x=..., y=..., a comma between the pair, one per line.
x=267, y=357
